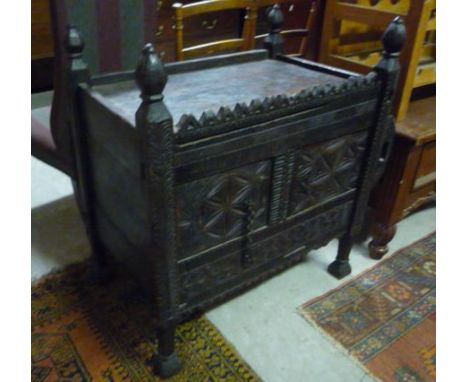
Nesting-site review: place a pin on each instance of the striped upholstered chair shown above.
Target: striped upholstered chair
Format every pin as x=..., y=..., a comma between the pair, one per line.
x=114, y=32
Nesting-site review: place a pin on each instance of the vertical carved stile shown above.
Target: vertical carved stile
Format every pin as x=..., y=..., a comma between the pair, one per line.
x=290, y=159
x=154, y=125
x=76, y=142
x=387, y=71
x=77, y=72
x=283, y=166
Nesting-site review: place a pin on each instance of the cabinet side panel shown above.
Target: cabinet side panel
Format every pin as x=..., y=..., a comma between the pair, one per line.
x=119, y=197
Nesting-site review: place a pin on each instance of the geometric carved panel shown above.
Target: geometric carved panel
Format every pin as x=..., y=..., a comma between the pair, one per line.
x=326, y=170
x=214, y=209
x=318, y=230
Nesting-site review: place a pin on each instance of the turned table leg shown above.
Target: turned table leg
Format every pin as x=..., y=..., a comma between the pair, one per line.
x=382, y=234
x=167, y=362
x=341, y=267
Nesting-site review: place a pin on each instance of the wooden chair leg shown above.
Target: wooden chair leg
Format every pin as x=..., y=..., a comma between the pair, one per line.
x=382, y=234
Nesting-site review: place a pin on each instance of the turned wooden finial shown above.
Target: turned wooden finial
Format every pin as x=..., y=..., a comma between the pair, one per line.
x=151, y=76
x=394, y=37
x=274, y=41
x=74, y=46
x=75, y=43
x=275, y=18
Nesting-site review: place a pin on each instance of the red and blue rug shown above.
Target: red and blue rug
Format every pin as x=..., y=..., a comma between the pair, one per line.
x=385, y=318
x=83, y=332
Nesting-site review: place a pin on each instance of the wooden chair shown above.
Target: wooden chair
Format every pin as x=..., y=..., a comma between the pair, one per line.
x=297, y=38
x=350, y=39
x=245, y=42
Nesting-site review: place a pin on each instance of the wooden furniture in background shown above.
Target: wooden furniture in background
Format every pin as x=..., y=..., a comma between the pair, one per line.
x=245, y=42
x=225, y=174
x=200, y=29
x=350, y=39
x=410, y=178
x=42, y=47
x=301, y=26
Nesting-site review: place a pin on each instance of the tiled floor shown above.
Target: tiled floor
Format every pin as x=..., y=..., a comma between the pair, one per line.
x=263, y=323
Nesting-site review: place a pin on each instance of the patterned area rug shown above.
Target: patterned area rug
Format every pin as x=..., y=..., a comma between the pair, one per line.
x=385, y=317
x=84, y=332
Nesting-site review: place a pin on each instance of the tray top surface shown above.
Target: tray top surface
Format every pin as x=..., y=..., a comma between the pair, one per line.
x=209, y=89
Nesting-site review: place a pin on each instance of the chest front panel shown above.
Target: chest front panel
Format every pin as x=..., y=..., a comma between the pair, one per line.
x=326, y=170
x=212, y=210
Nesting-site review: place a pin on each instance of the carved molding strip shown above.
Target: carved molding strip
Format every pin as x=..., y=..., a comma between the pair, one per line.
x=283, y=166
x=226, y=119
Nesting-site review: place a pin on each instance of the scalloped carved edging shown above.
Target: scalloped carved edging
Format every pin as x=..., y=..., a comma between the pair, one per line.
x=189, y=128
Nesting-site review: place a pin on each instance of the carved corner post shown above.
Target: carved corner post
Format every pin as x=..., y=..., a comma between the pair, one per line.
x=274, y=41
x=154, y=125
x=77, y=74
x=380, y=139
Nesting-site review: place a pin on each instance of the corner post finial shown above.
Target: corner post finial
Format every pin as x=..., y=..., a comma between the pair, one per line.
x=150, y=74
x=74, y=45
x=393, y=40
x=274, y=41
x=394, y=37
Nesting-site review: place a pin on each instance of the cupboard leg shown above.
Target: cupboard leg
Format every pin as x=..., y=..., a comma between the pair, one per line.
x=101, y=270
x=382, y=234
x=167, y=363
x=341, y=267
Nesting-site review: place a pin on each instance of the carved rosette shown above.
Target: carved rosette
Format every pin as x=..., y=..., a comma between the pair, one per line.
x=326, y=170
x=214, y=209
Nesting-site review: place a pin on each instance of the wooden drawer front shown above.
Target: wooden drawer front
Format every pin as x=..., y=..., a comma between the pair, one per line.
x=224, y=273
x=213, y=210
x=208, y=24
x=427, y=165
x=326, y=170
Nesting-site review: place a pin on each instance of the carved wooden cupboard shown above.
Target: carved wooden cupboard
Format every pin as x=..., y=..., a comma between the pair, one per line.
x=210, y=175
